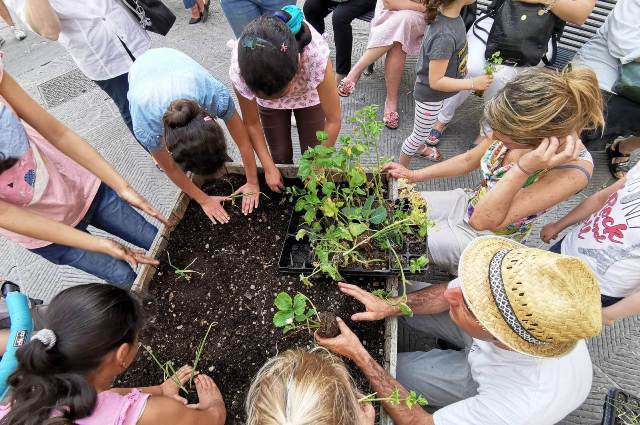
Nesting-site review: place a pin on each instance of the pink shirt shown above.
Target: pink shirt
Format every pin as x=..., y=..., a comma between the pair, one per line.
x=48, y=183
x=304, y=92
x=111, y=409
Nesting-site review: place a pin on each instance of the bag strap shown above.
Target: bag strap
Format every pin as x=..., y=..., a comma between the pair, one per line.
x=491, y=11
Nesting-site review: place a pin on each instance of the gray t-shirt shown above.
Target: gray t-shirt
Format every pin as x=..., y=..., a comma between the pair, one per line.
x=446, y=38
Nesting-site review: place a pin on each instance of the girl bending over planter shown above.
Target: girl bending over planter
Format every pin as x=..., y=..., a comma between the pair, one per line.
x=306, y=387
x=175, y=104
x=89, y=337
x=532, y=161
x=53, y=185
x=281, y=64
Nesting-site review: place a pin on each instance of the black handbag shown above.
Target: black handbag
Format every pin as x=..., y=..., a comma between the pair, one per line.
x=153, y=15
x=468, y=14
x=521, y=32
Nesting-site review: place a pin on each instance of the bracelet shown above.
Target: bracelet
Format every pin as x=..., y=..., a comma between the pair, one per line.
x=471, y=79
x=548, y=7
x=522, y=169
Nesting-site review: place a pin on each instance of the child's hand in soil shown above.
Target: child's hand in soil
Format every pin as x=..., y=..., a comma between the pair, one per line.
x=274, y=179
x=251, y=198
x=169, y=387
x=212, y=207
x=121, y=252
x=134, y=199
x=482, y=82
x=346, y=344
x=398, y=171
x=209, y=395
x=376, y=308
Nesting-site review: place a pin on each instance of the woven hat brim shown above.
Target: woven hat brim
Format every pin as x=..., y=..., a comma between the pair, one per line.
x=473, y=270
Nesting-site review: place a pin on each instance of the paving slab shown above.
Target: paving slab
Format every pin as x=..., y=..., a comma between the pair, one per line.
x=50, y=76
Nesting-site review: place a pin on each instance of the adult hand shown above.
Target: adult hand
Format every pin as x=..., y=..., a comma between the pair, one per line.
x=250, y=198
x=212, y=207
x=169, y=387
x=134, y=199
x=397, y=171
x=208, y=394
x=482, y=82
x=346, y=344
x=546, y=155
x=376, y=308
x=549, y=232
x=274, y=179
x=121, y=252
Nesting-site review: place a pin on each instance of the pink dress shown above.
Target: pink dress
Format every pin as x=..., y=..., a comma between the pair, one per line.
x=48, y=183
x=406, y=27
x=304, y=92
x=111, y=409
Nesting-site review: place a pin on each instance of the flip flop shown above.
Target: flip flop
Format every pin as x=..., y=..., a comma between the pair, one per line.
x=433, y=156
x=391, y=120
x=617, y=169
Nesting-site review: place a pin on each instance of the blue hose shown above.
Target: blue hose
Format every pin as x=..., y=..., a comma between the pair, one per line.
x=20, y=334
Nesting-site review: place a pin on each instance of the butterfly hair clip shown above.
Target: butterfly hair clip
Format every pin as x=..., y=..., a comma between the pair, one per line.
x=251, y=42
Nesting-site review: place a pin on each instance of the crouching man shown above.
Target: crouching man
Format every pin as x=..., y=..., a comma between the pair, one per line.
x=519, y=316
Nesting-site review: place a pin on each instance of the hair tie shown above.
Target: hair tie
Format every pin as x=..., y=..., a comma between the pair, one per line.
x=295, y=21
x=46, y=337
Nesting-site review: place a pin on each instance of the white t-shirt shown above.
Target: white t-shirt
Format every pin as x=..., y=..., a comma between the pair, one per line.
x=516, y=389
x=609, y=240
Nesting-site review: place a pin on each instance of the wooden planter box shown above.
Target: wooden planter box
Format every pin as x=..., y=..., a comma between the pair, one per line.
x=290, y=171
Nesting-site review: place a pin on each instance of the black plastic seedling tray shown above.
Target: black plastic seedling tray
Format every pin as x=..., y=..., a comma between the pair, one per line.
x=297, y=256
x=621, y=404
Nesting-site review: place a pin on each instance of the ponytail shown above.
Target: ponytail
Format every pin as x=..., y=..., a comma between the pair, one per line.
x=194, y=138
x=269, y=50
x=540, y=103
x=50, y=385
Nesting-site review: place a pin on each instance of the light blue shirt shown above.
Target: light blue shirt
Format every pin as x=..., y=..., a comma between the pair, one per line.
x=160, y=76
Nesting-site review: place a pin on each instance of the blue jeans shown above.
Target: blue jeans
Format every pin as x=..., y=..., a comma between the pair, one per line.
x=240, y=12
x=557, y=247
x=112, y=214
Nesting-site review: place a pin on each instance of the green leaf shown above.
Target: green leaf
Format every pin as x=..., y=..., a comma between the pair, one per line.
x=378, y=215
x=301, y=234
x=299, y=304
x=368, y=203
x=356, y=177
x=322, y=136
x=283, y=302
x=310, y=313
x=416, y=265
x=381, y=293
x=328, y=188
x=301, y=318
x=309, y=216
x=288, y=329
x=356, y=229
x=282, y=318
x=405, y=309
x=329, y=208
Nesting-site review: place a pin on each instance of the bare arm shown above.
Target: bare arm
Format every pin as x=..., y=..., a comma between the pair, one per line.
x=457, y=166
x=42, y=19
x=629, y=306
x=403, y=5
x=165, y=411
x=574, y=11
x=241, y=138
x=330, y=102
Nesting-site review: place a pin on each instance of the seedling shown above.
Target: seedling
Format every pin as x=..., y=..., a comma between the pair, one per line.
x=186, y=272
x=168, y=367
x=346, y=215
x=411, y=399
x=294, y=314
x=494, y=59
x=626, y=412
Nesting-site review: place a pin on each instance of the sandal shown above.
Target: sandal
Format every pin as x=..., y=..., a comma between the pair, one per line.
x=433, y=139
x=346, y=87
x=391, y=120
x=433, y=155
x=618, y=165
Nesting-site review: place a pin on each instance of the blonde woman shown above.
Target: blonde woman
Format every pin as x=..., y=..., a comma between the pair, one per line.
x=301, y=387
x=532, y=161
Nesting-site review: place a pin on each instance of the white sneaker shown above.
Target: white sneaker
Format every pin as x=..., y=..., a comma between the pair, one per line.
x=20, y=35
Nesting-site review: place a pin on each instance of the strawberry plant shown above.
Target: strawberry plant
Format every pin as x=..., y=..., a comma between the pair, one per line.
x=347, y=218
x=295, y=313
x=490, y=66
x=411, y=399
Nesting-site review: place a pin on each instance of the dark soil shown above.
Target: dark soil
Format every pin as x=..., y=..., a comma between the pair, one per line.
x=329, y=326
x=236, y=293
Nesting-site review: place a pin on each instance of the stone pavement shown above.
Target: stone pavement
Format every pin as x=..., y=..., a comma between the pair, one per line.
x=49, y=75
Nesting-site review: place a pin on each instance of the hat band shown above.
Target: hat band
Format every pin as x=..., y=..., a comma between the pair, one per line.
x=502, y=302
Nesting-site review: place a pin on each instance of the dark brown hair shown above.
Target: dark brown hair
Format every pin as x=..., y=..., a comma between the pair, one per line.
x=194, y=138
x=433, y=7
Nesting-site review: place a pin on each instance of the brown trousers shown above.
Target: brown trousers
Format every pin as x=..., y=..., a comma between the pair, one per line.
x=277, y=130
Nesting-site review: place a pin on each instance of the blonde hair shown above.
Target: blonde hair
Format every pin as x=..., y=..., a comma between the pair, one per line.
x=541, y=103
x=300, y=387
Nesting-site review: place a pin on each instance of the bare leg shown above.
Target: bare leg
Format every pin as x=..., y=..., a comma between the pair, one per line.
x=393, y=68
x=369, y=57
x=5, y=15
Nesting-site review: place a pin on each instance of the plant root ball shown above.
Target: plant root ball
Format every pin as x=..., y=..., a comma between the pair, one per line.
x=328, y=325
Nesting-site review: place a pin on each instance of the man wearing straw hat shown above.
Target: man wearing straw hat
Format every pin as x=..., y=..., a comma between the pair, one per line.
x=519, y=316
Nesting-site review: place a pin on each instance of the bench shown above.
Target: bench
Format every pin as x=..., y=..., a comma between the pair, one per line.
x=573, y=36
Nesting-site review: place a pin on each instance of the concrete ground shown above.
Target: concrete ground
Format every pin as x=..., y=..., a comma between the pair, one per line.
x=49, y=75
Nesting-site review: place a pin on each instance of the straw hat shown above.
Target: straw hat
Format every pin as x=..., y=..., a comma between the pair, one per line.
x=533, y=301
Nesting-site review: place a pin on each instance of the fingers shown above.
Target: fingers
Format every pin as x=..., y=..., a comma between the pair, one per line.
x=344, y=329
x=366, y=316
x=184, y=373
x=141, y=258
x=179, y=399
x=155, y=213
x=353, y=291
